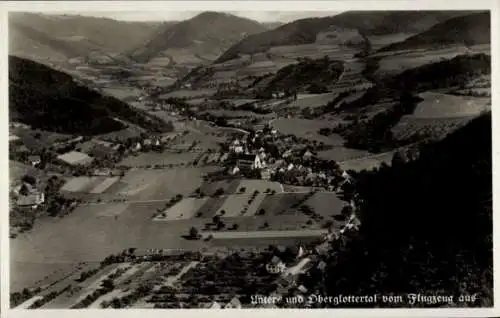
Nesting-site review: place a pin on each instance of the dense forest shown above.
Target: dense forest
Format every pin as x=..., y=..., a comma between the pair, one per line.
x=426, y=224
x=51, y=100
x=311, y=75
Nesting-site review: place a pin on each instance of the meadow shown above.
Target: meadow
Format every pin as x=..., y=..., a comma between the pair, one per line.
x=123, y=93
x=312, y=100
x=367, y=162
x=156, y=158
x=306, y=128
x=438, y=105
x=189, y=93
x=392, y=63
x=95, y=185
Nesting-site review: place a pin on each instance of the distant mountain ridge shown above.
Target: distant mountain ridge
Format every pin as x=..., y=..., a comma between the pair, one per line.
x=51, y=100
x=206, y=31
x=470, y=29
x=304, y=31
x=41, y=36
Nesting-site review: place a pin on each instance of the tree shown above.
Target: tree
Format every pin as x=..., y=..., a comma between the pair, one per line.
x=220, y=225
x=29, y=179
x=346, y=210
x=108, y=284
x=193, y=232
x=216, y=219
x=262, y=212
x=397, y=159
x=219, y=192
x=328, y=224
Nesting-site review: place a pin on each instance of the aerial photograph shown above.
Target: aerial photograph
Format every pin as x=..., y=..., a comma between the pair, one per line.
x=233, y=159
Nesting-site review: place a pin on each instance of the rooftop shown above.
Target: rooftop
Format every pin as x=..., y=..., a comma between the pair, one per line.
x=13, y=138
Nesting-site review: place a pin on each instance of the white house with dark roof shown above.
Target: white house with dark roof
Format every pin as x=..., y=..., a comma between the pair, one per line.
x=34, y=160
x=234, y=303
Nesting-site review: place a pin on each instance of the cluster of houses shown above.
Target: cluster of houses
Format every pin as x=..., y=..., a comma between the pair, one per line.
x=275, y=157
x=28, y=195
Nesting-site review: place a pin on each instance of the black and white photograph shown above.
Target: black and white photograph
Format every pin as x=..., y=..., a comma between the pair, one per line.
x=250, y=159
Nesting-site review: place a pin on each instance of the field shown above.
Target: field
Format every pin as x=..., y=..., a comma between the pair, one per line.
x=95, y=185
x=313, y=51
x=437, y=105
x=124, y=134
x=341, y=153
x=306, y=128
x=410, y=127
x=125, y=282
x=396, y=62
x=155, y=158
x=87, y=235
x=190, y=94
x=183, y=210
x=122, y=93
x=158, y=184
x=266, y=234
x=312, y=100
x=439, y=114
x=36, y=139
x=366, y=163
x=165, y=115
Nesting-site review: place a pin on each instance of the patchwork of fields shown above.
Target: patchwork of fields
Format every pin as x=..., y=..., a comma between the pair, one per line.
x=117, y=226
x=439, y=114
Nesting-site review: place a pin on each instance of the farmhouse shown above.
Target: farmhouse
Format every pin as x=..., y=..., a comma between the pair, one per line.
x=307, y=155
x=34, y=160
x=249, y=162
x=235, y=303
x=300, y=268
x=29, y=196
x=75, y=158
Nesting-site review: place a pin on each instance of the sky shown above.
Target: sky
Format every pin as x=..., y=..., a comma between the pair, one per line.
x=261, y=16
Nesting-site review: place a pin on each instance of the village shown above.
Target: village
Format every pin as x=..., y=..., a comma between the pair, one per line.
x=290, y=194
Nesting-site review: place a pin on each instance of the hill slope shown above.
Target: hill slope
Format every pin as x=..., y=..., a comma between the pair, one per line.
x=206, y=32
x=426, y=225
x=469, y=30
x=51, y=100
x=368, y=23
x=42, y=35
